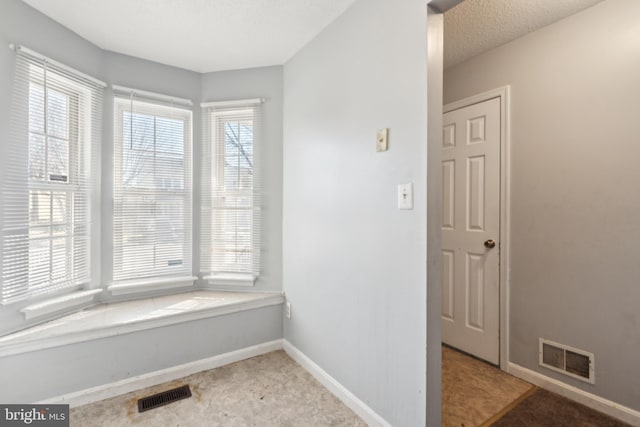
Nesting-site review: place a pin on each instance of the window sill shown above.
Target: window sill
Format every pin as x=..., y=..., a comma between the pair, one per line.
x=154, y=284
x=106, y=320
x=61, y=303
x=231, y=279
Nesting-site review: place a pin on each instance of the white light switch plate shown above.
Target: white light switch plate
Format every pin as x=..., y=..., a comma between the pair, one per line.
x=382, y=140
x=405, y=196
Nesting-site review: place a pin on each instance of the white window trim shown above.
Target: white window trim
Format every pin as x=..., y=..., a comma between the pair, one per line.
x=154, y=96
x=231, y=279
x=152, y=284
x=237, y=103
x=75, y=299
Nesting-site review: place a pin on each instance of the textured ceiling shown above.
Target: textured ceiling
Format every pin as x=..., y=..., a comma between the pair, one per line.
x=199, y=35
x=476, y=26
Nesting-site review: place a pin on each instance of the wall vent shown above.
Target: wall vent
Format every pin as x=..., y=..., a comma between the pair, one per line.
x=567, y=360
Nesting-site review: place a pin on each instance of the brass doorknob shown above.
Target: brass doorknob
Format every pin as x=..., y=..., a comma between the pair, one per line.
x=490, y=244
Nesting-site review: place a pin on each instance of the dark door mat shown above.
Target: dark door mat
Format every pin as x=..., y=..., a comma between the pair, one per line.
x=546, y=409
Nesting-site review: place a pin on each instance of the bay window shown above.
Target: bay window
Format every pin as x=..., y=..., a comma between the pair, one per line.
x=51, y=219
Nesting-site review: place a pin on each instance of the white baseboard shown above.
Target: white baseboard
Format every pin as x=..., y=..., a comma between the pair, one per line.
x=598, y=403
x=337, y=389
x=117, y=388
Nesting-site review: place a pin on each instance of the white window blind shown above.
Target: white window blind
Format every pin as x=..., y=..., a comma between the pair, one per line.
x=52, y=151
x=152, y=187
x=230, y=229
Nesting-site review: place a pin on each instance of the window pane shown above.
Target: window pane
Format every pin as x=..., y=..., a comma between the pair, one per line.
x=138, y=168
x=238, y=155
x=39, y=208
x=59, y=214
x=142, y=129
x=137, y=220
x=39, y=231
x=170, y=135
x=48, y=162
x=36, y=156
x=39, y=262
x=58, y=259
x=232, y=237
x=36, y=108
x=137, y=232
x=59, y=230
x=170, y=220
x=169, y=172
x=57, y=114
x=237, y=200
x=58, y=166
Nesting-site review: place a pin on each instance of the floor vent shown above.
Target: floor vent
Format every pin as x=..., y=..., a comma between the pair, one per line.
x=567, y=360
x=164, y=398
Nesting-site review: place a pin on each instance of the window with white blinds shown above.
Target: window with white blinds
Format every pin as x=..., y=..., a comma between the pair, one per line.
x=230, y=229
x=152, y=188
x=52, y=151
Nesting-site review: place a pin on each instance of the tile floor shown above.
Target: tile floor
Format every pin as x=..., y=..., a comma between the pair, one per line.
x=474, y=391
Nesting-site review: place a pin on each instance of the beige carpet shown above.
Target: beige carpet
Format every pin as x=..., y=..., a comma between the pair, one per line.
x=474, y=391
x=268, y=390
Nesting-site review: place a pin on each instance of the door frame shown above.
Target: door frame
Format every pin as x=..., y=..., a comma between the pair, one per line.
x=433, y=304
x=503, y=93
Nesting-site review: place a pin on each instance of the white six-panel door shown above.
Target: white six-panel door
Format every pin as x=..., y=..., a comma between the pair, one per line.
x=470, y=223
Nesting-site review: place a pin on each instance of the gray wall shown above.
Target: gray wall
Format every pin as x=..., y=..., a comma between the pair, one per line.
x=267, y=83
x=574, y=197
x=355, y=265
x=50, y=373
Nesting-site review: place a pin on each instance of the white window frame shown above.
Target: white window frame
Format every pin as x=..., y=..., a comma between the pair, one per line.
x=173, y=276
x=39, y=296
x=69, y=187
x=213, y=186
